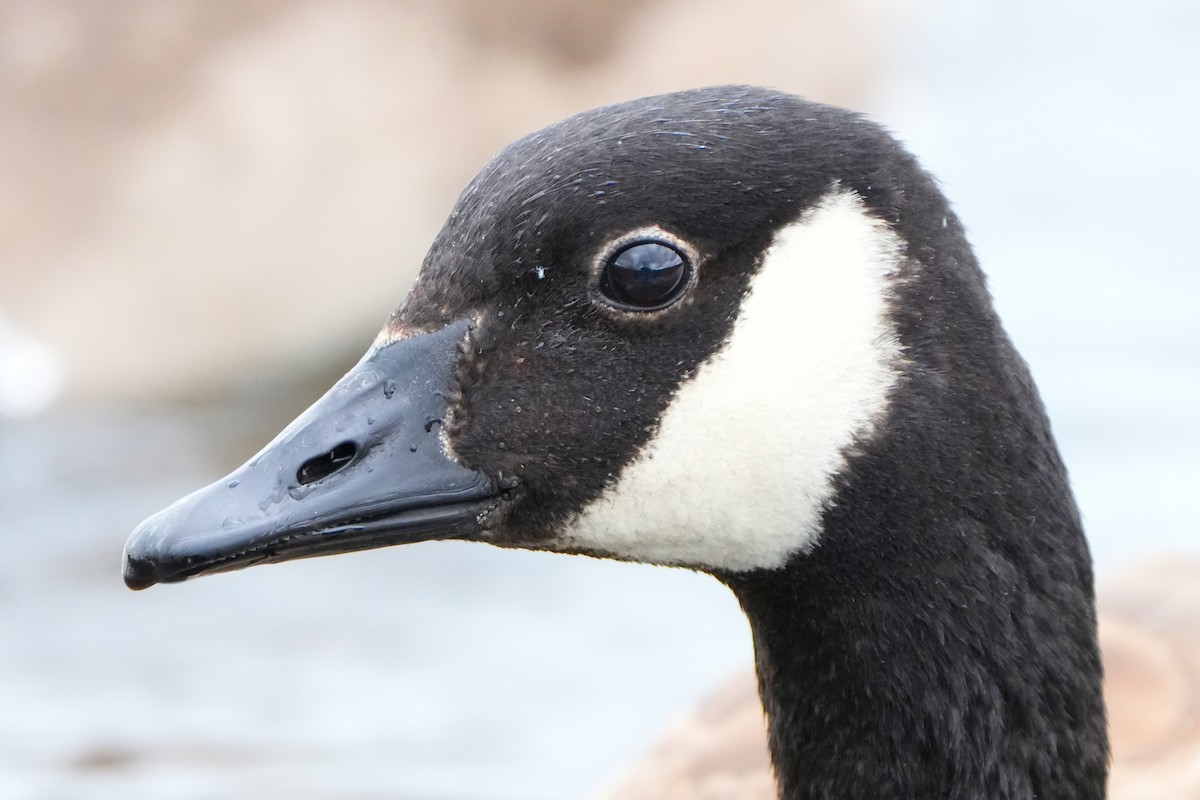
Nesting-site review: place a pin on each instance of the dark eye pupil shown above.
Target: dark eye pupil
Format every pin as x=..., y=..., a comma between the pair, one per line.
x=646, y=274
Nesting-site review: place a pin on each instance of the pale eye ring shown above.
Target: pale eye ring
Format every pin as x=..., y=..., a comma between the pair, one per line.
x=645, y=275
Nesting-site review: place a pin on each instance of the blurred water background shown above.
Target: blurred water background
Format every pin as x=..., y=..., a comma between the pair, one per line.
x=208, y=208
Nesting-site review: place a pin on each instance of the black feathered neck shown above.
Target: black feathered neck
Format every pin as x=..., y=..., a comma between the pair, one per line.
x=940, y=641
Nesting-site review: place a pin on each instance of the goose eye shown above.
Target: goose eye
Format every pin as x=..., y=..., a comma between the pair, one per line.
x=645, y=275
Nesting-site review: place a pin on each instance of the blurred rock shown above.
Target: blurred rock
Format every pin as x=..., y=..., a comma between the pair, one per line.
x=198, y=189
x=1150, y=633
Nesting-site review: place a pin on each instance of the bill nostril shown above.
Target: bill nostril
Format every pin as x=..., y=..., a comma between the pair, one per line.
x=326, y=464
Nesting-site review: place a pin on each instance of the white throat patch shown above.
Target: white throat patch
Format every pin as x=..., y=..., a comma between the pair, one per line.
x=741, y=469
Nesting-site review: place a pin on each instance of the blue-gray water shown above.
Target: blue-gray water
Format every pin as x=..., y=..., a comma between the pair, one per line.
x=436, y=671
x=1065, y=137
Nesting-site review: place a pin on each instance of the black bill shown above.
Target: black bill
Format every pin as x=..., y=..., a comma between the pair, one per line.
x=364, y=467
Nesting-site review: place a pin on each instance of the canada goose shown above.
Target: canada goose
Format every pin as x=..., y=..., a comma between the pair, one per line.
x=736, y=331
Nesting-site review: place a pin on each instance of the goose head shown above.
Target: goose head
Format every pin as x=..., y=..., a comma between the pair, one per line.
x=735, y=331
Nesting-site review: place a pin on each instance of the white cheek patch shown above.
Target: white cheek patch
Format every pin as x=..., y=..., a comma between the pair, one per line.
x=742, y=466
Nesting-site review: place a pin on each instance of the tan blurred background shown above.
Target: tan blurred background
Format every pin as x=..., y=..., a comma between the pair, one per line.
x=207, y=207
x=195, y=187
